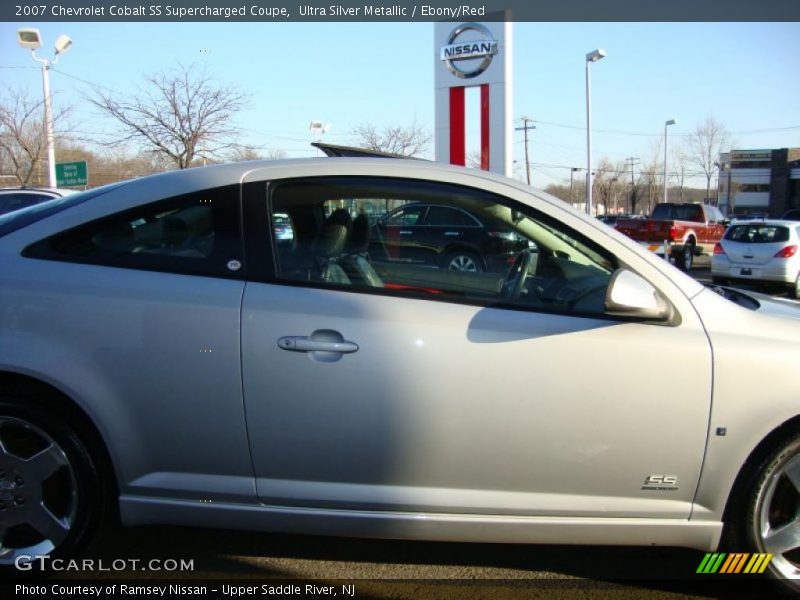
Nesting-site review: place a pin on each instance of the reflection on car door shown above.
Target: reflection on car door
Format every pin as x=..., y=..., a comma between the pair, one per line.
x=398, y=234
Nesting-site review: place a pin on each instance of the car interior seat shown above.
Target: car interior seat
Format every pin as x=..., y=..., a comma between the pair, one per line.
x=327, y=248
x=356, y=260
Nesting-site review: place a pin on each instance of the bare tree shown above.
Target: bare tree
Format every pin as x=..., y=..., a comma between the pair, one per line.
x=474, y=159
x=411, y=140
x=179, y=115
x=23, y=140
x=679, y=160
x=704, y=146
x=608, y=183
x=251, y=153
x=649, y=183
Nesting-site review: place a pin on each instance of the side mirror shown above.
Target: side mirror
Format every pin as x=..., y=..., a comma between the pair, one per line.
x=630, y=295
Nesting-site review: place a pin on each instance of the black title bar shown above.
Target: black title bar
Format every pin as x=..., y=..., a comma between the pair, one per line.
x=399, y=10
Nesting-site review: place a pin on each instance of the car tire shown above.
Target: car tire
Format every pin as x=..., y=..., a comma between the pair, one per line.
x=51, y=497
x=770, y=521
x=794, y=291
x=463, y=261
x=685, y=260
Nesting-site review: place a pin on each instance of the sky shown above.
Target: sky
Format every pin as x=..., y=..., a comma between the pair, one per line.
x=347, y=74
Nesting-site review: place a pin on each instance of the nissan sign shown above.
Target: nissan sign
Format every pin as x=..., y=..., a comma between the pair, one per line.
x=471, y=50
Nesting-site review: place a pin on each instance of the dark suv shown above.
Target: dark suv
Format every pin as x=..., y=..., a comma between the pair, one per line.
x=446, y=237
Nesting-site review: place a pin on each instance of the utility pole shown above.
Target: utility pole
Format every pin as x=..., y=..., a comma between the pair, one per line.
x=525, y=127
x=633, y=160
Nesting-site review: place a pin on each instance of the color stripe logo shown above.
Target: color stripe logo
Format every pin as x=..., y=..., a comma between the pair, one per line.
x=742, y=562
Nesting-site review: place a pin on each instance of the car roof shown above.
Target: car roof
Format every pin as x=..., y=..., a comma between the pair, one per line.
x=773, y=222
x=48, y=190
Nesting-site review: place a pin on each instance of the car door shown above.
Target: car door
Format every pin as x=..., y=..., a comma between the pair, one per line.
x=451, y=400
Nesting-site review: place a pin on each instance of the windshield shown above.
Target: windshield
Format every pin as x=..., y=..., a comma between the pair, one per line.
x=18, y=219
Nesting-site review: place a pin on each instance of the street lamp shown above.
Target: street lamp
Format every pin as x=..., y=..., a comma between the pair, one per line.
x=666, y=124
x=593, y=56
x=31, y=39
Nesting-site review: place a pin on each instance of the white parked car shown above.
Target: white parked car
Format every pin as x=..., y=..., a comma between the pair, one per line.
x=162, y=351
x=759, y=251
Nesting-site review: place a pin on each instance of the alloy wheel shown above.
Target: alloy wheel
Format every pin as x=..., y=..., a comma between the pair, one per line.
x=778, y=518
x=463, y=262
x=38, y=491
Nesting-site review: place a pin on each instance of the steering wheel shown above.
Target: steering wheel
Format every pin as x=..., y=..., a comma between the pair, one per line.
x=524, y=265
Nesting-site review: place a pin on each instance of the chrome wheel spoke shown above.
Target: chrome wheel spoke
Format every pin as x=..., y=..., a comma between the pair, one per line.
x=792, y=472
x=47, y=462
x=785, y=538
x=3, y=549
x=47, y=524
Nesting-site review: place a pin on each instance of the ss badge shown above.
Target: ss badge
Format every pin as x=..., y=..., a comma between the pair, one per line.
x=660, y=482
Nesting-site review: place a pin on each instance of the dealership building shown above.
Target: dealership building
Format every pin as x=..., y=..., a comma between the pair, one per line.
x=759, y=181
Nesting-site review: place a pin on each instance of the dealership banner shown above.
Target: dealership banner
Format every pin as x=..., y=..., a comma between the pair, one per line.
x=397, y=10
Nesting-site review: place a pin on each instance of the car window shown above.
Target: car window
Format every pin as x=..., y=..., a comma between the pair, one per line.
x=443, y=216
x=195, y=234
x=678, y=212
x=519, y=257
x=755, y=233
x=405, y=217
x=282, y=228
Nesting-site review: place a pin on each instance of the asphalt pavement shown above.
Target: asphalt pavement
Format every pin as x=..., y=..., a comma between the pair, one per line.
x=404, y=569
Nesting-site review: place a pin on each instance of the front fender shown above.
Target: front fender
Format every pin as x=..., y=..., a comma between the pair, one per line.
x=754, y=392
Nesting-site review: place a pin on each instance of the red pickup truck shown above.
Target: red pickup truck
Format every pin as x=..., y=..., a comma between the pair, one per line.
x=685, y=229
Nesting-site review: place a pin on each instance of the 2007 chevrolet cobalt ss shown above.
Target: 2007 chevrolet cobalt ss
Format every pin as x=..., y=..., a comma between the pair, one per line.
x=163, y=349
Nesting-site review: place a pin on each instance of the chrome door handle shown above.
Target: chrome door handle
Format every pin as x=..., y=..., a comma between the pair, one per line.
x=299, y=343
x=323, y=345
x=405, y=232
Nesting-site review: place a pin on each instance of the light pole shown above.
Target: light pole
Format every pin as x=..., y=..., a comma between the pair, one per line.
x=666, y=124
x=593, y=56
x=31, y=39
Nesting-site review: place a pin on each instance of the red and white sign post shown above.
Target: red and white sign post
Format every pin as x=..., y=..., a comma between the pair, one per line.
x=474, y=55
